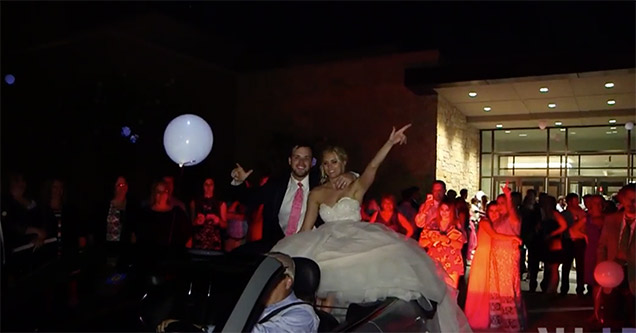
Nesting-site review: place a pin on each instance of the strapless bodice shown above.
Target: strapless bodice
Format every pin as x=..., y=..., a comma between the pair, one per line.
x=346, y=209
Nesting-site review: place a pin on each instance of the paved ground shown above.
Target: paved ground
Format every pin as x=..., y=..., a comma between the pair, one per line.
x=550, y=312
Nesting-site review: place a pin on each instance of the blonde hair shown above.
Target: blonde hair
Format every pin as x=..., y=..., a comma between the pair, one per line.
x=341, y=154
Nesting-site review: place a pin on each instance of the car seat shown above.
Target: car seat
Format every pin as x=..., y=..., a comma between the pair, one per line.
x=306, y=284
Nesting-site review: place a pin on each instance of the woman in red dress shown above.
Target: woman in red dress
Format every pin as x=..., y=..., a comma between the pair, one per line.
x=443, y=239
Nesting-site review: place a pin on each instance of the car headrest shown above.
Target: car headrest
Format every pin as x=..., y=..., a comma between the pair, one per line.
x=307, y=278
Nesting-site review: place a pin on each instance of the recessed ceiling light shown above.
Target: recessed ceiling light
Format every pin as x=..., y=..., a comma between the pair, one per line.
x=611, y=101
x=523, y=134
x=562, y=129
x=558, y=123
x=544, y=90
x=499, y=126
x=612, y=121
x=608, y=132
x=609, y=85
x=613, y=127
x=572, y=133
x=472, y=94
x=507, y=132
x=552, y=105
x=487, y=108
x=614, y=132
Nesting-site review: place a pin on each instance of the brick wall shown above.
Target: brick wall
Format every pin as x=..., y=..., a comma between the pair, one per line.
x=349, y=103
x=457, y=149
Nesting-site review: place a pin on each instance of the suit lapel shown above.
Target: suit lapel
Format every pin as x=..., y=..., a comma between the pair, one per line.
x=279, y=194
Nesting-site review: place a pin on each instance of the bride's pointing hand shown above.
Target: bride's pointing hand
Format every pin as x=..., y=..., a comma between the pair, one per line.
x=398, y=136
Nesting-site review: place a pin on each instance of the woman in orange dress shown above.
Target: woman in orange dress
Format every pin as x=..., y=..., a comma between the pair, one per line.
x=493, y=300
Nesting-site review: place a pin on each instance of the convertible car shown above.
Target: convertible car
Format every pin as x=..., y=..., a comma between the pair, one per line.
x=207, y=288
x=225, y=291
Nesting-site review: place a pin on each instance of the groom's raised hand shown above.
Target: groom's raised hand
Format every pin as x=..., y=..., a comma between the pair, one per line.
x=239, y=174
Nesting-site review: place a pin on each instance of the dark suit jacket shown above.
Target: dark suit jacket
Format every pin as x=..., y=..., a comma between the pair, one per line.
x=608, y=246
x=271, y=195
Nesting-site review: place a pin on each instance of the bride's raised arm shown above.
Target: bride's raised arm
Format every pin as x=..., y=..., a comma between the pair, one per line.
x=312, y=211
x=367, y=177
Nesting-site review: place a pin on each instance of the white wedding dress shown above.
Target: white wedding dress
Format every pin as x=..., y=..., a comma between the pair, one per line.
x=365, y=262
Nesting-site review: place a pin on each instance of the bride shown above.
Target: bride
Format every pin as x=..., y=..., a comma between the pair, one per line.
x=365, y=262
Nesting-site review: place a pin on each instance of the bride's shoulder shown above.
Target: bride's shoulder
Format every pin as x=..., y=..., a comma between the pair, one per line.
x=318, y=191
x=322, y=188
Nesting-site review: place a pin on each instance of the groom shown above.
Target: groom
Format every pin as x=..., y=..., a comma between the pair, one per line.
x=284, y=198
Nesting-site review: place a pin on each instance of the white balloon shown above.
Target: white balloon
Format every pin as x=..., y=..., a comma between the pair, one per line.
x=188, y=139
x=629, y=126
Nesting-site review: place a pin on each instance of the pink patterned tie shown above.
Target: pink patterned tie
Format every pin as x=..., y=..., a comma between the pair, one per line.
x=294, y=215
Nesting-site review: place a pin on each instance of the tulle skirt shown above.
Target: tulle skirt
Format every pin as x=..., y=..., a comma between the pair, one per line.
x=365, y=262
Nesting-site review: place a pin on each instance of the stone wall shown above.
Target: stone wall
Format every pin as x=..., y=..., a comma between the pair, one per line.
x=457, y=149
x=349, y=103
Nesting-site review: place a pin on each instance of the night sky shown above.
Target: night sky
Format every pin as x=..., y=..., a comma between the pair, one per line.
x=61, y=118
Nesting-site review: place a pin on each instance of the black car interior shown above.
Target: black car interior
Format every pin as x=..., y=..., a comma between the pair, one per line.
x=188, y=298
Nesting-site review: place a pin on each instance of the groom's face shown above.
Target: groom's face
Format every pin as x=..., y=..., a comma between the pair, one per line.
x=300, y=161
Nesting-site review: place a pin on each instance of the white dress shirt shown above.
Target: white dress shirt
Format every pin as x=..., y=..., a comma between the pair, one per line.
x=285, y=207
x=295, y=319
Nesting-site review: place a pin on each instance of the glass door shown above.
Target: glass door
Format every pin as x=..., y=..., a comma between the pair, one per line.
x=536, y=183
x=499, y=182
x=520, y=184
x=609, y=186
x=582, y=186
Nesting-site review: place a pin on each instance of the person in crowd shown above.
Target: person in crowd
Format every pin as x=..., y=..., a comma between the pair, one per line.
x=553, y=227
x=483, y=204
x=284, y=199
x=391, y=217
x=237, y=226
x=609, y=207
x=284, y=312
x=209, y=219
x=561, y=204
x=475, y=210
x=574, y=242
x=255, y=217
x=594, y=220
x=60, y=220
x=358, y=260
x=368, y=209
x=462, y=209
x=23, y=238
x=163, y=229
x=494, y=299
x=473, y=229
x=443, y=240
x=20, y=217
x=452, y=194
x=173, y=199
x=463, y=193
x=428, y=210
x=114, y=233
x=410, y=204
x=617, y=243
x=530, y=213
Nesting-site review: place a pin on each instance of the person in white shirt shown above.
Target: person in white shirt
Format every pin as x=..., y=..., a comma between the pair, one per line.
x=284, y=312
x=428, y=210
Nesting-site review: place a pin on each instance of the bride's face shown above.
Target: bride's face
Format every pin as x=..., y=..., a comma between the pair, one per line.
x=331, y=165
